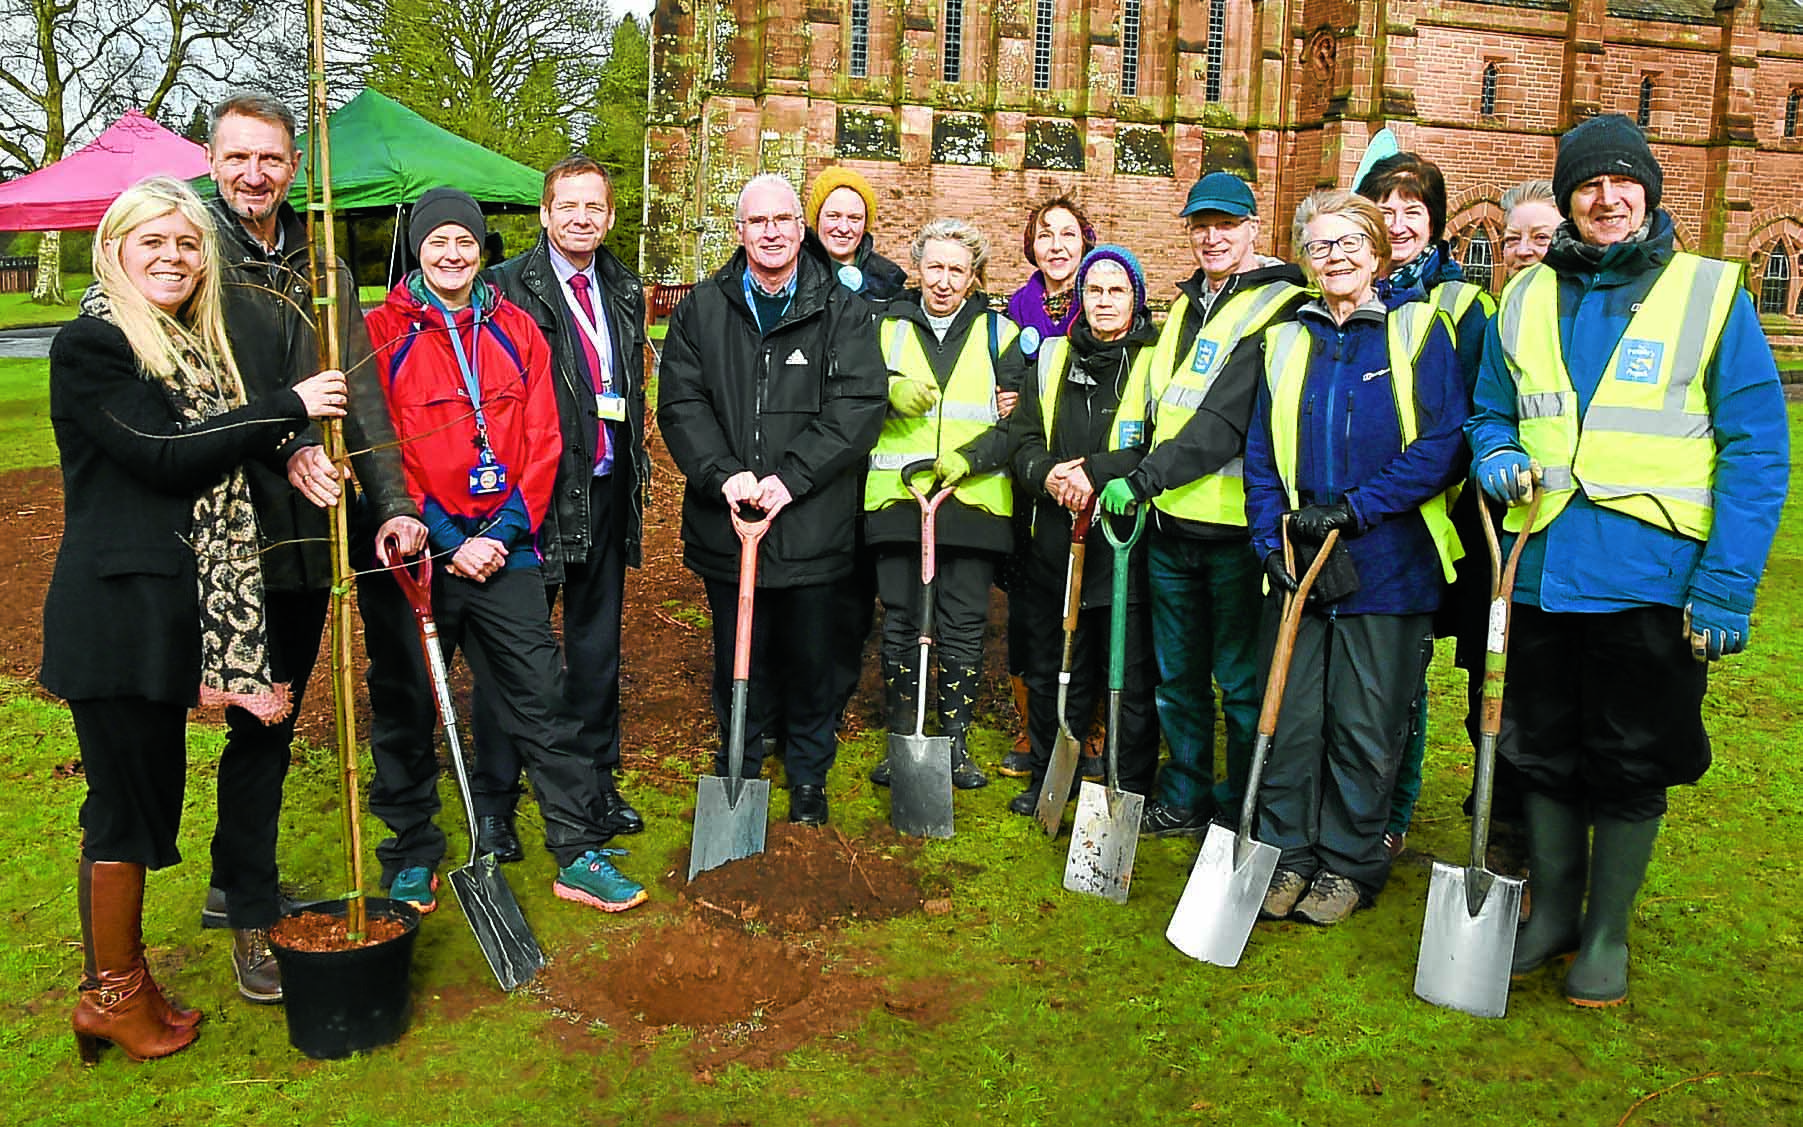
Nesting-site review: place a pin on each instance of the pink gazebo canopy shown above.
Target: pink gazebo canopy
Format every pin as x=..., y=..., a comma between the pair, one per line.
x=73, y=193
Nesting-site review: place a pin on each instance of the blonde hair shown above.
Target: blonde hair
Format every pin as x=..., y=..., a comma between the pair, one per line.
x=1528, y=191
x=157, y=339
x=1334, y=201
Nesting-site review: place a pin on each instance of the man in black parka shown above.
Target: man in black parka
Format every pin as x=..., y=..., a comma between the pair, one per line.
x=771, y=394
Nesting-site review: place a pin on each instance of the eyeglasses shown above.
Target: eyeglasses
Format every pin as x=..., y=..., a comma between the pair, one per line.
x=1349, y=245
x=758, y=222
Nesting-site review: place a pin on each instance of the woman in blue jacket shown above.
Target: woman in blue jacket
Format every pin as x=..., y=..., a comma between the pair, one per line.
x=1357, y=429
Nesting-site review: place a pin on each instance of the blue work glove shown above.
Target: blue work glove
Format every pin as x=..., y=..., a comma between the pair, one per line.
x=1118, y=497
x=1505, y=476
x=1314, y=522
x=1715, y=631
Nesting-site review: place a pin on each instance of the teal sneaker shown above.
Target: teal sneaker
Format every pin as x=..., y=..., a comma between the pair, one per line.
x=416, y=886
x=592, y=879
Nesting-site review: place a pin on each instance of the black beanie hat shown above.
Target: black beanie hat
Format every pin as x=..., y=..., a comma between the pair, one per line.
x=1609, y=145
x=438, y=206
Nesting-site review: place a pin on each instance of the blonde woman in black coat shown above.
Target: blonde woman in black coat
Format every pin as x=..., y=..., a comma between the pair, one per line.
x=157, y=598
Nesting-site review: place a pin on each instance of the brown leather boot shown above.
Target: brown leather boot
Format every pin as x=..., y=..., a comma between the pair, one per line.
x=178, y=1017
x=1018, y=764
x=119, y=1002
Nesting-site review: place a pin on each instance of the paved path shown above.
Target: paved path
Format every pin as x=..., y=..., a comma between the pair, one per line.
x=26, y=344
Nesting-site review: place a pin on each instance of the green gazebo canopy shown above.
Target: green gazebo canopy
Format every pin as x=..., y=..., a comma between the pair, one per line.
x=384, y=154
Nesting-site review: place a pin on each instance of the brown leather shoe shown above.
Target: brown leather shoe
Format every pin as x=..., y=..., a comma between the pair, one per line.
x=120, y=1003
x=177, y=1016
x=259, y=978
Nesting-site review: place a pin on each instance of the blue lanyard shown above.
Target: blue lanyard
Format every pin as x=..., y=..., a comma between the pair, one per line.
x=471, y=377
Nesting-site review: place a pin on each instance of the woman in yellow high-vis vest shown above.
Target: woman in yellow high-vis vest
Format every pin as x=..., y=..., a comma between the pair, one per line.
x=955, y=369
x=1080, y=425
x=1357, y=429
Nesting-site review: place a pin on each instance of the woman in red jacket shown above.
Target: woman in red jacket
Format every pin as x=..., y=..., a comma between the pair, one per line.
x=466, y=374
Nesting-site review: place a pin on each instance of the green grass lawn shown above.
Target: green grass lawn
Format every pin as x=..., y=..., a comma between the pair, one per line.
x=25, y=438
x=18, y=309
x=1063, y=1009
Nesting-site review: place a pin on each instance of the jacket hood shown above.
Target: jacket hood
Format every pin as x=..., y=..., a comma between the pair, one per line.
x=882, y=278
x=410, y=296
x=910, y=305
x=1269, y=270
x=1088, y=349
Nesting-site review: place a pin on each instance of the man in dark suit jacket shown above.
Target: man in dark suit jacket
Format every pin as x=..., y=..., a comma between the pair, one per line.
x=269, y=313
x=591, y=309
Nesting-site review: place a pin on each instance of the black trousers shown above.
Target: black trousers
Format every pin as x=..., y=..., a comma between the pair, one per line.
x=134, y=756
x=254, y=764
x=1609, y=707
x=960, y=605
x=1325, y=797
x=594, y=596
x=797, y=637
x=505, y=633
x=1042, y=620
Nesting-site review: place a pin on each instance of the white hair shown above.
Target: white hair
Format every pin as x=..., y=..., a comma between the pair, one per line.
x=765, y=180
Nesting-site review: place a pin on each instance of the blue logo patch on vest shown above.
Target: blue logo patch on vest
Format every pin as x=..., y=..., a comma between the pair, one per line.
x=1133, y=433
x=1204, y=358
x=1640, y=360
x=1029, y=341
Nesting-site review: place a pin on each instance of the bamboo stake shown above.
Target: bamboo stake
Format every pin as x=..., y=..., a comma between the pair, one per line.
x=320, y=222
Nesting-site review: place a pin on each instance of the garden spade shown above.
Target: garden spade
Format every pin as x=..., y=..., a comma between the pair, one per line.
x=731, y=813
x=920, y=766
x=1468, y=934
x=1055, y=792
x=488, y=901
x=1105, y=835
x=1214, y=917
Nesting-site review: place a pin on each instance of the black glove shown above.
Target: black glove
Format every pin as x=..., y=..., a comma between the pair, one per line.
x=1281, y=578
x=1314, y=522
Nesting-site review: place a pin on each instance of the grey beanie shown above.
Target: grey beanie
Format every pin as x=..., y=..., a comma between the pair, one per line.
x=438, y=206
x=1609, y=145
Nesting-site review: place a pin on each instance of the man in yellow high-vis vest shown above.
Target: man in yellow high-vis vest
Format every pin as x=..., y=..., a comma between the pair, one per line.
x=1203, y=579
x=1636, y=378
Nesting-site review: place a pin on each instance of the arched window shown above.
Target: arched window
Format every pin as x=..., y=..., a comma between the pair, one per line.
x=1486, y=101
x=1130, y=47
x=1044, y=13
x=1644, y=115
x=1790, y=112
x=1774, y=284
x=860, y=38
x=952, y=53
x=1479, y=263
x=1215, y=49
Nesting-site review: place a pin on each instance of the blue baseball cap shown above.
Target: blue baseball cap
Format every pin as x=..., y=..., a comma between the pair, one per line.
x=1220, y=191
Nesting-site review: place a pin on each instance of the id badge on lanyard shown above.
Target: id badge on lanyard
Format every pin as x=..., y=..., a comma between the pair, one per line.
x=603, y=348
x=488, y=476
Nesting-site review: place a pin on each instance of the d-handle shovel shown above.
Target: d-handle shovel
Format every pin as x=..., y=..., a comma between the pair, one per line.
x=731, y=813
x=1055, y=792
x=1105, y=834
x=1214, y=917
x=488, y=901
x=1468, y=933
x=920, y=766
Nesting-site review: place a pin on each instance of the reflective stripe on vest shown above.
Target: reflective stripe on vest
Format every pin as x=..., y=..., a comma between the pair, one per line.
x=1179, y=389
x=1645, y=446
x=1129, y=429
x=964, y=411
x=1286, y=370
x=1455, y=299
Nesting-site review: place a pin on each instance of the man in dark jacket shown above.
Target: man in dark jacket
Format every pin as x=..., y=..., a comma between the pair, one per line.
x=268, y=314
x=772, y=395
x=591, y=310
x=1205, y=581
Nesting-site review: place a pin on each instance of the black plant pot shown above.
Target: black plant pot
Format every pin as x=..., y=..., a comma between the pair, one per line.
x=342, y=1002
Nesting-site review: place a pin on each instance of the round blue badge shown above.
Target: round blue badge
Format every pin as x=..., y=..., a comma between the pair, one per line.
x=851, y=278
x=1029, y=341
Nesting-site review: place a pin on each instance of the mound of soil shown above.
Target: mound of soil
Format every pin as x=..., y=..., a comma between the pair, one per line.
x=748, y=998
x=810, y=879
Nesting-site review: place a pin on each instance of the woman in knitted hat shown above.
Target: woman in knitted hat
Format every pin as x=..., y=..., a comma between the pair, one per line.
x=1080, y=424
x=157, y=600
x=1356, y=430
x=467, y=377
x=841, y=208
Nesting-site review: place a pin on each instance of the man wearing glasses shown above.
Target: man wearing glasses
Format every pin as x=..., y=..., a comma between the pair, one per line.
x=772, y=395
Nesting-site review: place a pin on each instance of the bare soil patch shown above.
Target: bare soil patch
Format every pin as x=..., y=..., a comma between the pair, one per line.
x=809, y=879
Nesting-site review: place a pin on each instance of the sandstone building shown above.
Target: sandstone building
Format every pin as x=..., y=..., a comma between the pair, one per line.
x=976, y=107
